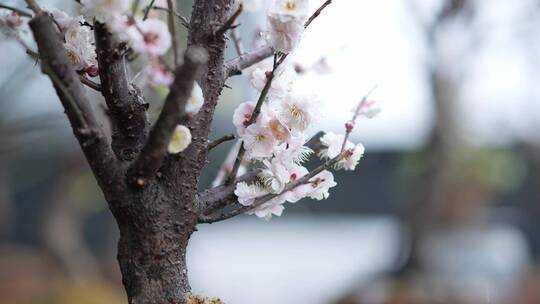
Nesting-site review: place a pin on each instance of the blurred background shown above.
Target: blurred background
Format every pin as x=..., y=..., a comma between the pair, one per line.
x=443, y=208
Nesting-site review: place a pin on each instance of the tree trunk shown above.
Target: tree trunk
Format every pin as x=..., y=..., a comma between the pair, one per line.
x=154, y=233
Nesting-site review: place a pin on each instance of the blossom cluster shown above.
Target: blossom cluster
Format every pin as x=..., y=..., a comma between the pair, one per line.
x=275, y=138
x=149, y=37
x=273, y=130
x=78, y=41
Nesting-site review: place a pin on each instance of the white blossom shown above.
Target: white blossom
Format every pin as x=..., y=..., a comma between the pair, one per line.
x=299, y=112
x=242, y=115
x=293, y=151
x=279, y=130
x=79, y=42
x=61, y=18
x=150, y=37
x=180, y=140
x=284, y=36
x=75, y=56
x=195, y=101
x=248, y=193
x=11, y=22
x=350, y=162
x=105, y=11
x=281, y=84
x=299, y=192
x=243, y=112
x=320, y=185
x=259, y=141
x=158, y=75
x=270, y=208
x=290, y=10
x=334, y=143
x=275, y=176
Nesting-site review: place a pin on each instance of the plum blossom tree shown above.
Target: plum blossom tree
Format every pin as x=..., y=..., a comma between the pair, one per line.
x=149, y=172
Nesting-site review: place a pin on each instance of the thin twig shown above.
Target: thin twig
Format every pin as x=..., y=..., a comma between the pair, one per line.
x=236, y=65
x=91, y=84
x=147, y=10
x=229, y=23
x=317, y=13
x=172, y=30
x=32, y=4
x=221, y=196
x=237, y=41
x=252, y=119
x=183, y=20
x=174, y=110
x=19, y=11
x=265, y=198
x=220, y=140
x=355, y=116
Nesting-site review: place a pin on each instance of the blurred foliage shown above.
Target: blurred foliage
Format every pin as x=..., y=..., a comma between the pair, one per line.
x=494, y=170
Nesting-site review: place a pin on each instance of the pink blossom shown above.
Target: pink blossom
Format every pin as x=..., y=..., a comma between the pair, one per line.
x=150, y=37
x=158, y=74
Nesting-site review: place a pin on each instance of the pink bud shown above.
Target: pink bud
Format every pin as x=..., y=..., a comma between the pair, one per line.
x=349, y=125
x=91, y=70
x=268, y=74
x=14, y=20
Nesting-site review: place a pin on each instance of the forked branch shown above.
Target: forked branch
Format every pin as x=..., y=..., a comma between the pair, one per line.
x=174, y=110
x=57, y=65
x=236, y=65
x=265, y=198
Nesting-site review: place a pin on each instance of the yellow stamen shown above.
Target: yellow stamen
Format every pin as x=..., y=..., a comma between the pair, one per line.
x=290, y=5
x=296, y=111
x=74, y=59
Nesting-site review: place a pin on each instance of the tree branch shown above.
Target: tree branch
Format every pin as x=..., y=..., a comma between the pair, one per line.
x=89, y=83
x=32, y=4
x=222, y=196
x=253, y=119
x=355, y=116
x=125, y=103
x=265, y=198
x=16, y=10
x=147, y=10
x=229, y=23
x=317, y=12
x=56, y=64
x=155, y=149
x=172, y=30
x=237, y=41
x=220, y=140
x=235, y=66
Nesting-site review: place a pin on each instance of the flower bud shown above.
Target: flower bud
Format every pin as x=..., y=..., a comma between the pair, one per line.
x=91, y=70
x=349, y=125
